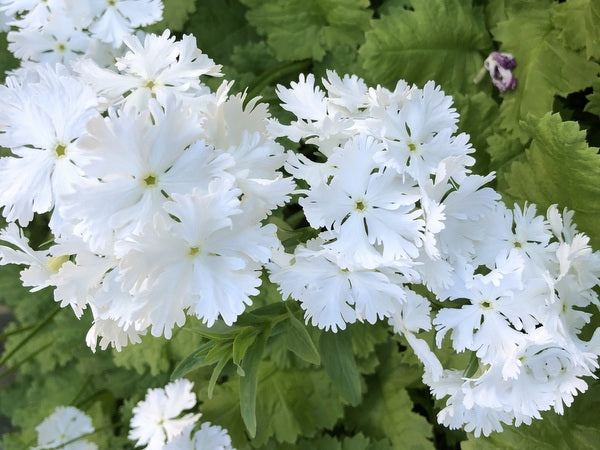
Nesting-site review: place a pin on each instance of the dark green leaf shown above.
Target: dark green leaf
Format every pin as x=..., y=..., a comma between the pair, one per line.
x=338, y=360
x=249, y=382
x=299, y=341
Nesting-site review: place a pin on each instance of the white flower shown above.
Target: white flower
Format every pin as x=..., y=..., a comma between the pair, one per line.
x=40, y=120
x=208, y=260
x=158, y=418
x=113, y=20
x=366, y=207
x=131, y=162
x=159, y=67
x=208, y=437
x=64, y=425
x=58, y=41
x=334, y=295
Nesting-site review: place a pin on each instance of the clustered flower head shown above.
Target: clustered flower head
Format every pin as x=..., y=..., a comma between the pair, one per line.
x=395, y=204
x=157, y=190
x=54, y=31
x=159, y=421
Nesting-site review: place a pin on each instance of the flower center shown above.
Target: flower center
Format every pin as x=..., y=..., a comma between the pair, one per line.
x=193, y=251
x=150, y=180
x=60, y=150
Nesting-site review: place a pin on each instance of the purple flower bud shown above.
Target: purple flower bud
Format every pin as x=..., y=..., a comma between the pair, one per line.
x=500, y=66
x=504, y=60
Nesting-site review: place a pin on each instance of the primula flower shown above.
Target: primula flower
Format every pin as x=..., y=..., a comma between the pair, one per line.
x=158, y=67
x=159, y=417
x=42, y=114
x=63, y=427
x=59, y=41
x=367, y=207
x=130, y=164
x=113, y=20
x=207, y=437
x=208, y=260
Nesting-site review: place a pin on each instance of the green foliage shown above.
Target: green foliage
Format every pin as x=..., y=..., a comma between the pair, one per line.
x=7, y=60
x=594, y=99
x=300, y=29
x=271, y=380
x=559, y=167
x=175, y=15
x=386, y=410
x=289, y=404
x=220, y=26
x=441, y=40
x=578, y=22
x=545, y=66
x=340, y=365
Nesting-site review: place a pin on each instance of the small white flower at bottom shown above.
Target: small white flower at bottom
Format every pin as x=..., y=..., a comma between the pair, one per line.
x=63, y=428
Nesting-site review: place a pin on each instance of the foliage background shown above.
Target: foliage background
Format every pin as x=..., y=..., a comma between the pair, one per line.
x=358, y=389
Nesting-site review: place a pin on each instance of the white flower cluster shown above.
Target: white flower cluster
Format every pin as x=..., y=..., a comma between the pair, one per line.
x=157, y=191
x=159, y=421
x=157, y=188
x=52, y=31
x=395, y=205
x=65, y=428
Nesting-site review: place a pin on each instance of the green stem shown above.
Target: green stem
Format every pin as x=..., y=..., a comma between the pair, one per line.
x=269, y=77
x=27, y=338
x=17, y=331
x=23, y=361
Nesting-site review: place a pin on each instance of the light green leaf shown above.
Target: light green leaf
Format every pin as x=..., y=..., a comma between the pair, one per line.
x=503, y=149
x=577, y=22
x=545, y=67
x=441, y=40
x=593, y=105
x=340, y=365
x=559, y=167
x=300, y=29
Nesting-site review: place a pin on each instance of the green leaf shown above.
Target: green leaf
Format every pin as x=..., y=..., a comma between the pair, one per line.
x=7, y=60
x=249, y=382
x=219, y=26
x=289, y=403
x=478, y=114
x=299, y=341
x=175, y=15
x=301, y=29
x=503, y=150
x=577, y=22
x=441, y=40
x=593, y=105
x=559, y=167
x=545, y=67
x=338, y=360
x=577, y=429
x=242, y=342
x=386, y=410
